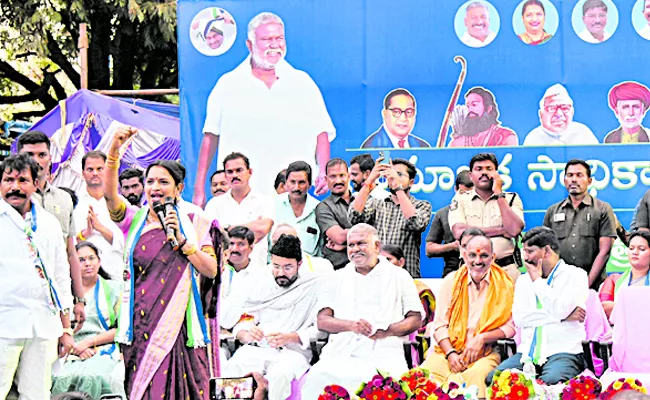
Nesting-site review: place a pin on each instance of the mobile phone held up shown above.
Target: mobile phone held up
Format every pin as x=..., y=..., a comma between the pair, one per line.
x=386, y=156
x=232, y=388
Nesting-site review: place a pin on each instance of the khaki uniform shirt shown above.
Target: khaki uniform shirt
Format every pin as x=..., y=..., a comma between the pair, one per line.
x=470, y=209
x=58, y=203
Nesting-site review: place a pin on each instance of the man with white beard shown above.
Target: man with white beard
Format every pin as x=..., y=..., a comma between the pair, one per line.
x=265, y=96
x=277, y=320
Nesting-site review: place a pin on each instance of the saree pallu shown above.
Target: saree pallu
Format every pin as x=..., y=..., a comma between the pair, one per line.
x=158, y=362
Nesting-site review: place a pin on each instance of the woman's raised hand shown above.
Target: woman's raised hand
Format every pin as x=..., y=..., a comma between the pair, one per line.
x=121, y=136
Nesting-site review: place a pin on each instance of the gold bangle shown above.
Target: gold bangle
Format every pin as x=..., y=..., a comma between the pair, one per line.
x=81, y=237
x=191, y=250
x=114, y=165
x=119, y=213
x=111, y=158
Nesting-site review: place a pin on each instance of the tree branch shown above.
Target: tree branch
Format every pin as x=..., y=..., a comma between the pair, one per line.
x=29, y=114
x=62, y=61
x=10, y=73
x=38, y=94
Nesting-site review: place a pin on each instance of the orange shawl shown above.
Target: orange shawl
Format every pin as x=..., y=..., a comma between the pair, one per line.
x=496, y=311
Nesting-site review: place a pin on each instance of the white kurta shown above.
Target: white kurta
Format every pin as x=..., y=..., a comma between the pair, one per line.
x=272, y=127
x=575, y=134
x=277, y=310
x=382, y=297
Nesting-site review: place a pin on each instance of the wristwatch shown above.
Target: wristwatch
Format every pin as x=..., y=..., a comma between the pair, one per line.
x=69, y=331
x=501, y=196
x=400, y=187
x=78, y=300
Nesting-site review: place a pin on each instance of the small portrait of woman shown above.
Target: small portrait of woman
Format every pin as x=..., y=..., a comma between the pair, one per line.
x=535, y=21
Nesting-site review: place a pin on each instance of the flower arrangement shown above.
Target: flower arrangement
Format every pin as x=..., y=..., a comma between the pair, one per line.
x=419, y=382
x=582, y=388
x=511, y=385
x=334, y=392
x=383, y=387
x=621, y=385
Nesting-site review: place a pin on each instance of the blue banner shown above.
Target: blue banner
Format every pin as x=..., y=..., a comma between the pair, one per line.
x=536, y=82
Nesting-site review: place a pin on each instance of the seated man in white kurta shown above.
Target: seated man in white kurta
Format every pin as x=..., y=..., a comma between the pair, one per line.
x=278, y=321
x=367, y=307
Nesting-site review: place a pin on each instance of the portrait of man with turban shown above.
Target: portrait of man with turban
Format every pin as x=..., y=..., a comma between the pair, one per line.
x=630, y=102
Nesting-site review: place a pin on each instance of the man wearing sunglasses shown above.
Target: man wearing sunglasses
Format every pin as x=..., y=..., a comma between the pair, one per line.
x=399, y=118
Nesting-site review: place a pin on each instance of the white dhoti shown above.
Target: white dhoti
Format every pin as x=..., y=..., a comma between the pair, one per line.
x=351, y=371
x=30, y=361
x=279, y=367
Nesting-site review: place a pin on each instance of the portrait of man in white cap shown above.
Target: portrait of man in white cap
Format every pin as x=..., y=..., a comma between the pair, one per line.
x=557, y=124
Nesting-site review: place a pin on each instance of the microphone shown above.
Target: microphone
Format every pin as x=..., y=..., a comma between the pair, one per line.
x=161, y=211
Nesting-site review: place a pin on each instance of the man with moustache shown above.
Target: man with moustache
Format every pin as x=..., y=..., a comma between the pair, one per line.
x=477, y=22
x=332, y=213
x=266, y=96
x=132, y=186
x=218, y=183
x=399, y=119
x=476, y=124
x=238, y=268
x=400, y=218
x=368, y=308
x=58, y=203
x=243, y=205
x=487, y=207
x=360, y=167
x=35, y=296
x=277, y=321
x=630, y=102
x=549, y=308
x=312, y=264
x=645, y=31
x=585, y=226
x=91, y=217
x=557, y=124
x=297, y=207
x=473, y=311
x=594, y=15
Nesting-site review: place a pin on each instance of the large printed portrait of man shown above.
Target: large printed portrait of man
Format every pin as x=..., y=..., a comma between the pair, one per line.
x=594, y=21
x=476, y=123
x=641, y=18
x=268, y=110
x=477, y=23
x=398, y=115
x=630, y=102
x=557, y=126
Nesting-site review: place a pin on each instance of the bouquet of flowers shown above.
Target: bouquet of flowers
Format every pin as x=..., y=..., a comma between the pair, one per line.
x=419, y=382
x=621, y=385
x=511, y=385
x=582, y=388
x=334, y=392
x=383, y=387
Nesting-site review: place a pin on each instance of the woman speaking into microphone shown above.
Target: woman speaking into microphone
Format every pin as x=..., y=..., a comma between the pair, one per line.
x=160, y=323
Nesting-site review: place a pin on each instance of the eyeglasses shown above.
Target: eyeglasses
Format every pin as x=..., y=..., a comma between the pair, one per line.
x=285, y=268
x=89, y=258
x=565, y=108
x=397, y=112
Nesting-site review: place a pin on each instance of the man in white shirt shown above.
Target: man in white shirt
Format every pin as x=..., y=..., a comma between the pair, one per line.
x=91, y=217
x=277, y=321
x=367, y=308
x=242, y=205
x=35, y=296
x=260, y=107
x=549, y=308
x=477, y=21
x=645, y=31
x=594, y=15
x=557, y=125
x=311, y=263
x=297, y=207
x=236, y=272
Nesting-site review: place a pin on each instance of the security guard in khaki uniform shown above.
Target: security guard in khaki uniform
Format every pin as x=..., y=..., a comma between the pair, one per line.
x=500, y=215
x=585, y=226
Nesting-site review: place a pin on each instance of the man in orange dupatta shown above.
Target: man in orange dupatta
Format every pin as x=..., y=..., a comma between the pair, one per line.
x=474, y=311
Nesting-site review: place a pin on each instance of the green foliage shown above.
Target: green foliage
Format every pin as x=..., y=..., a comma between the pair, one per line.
x=132, y=43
